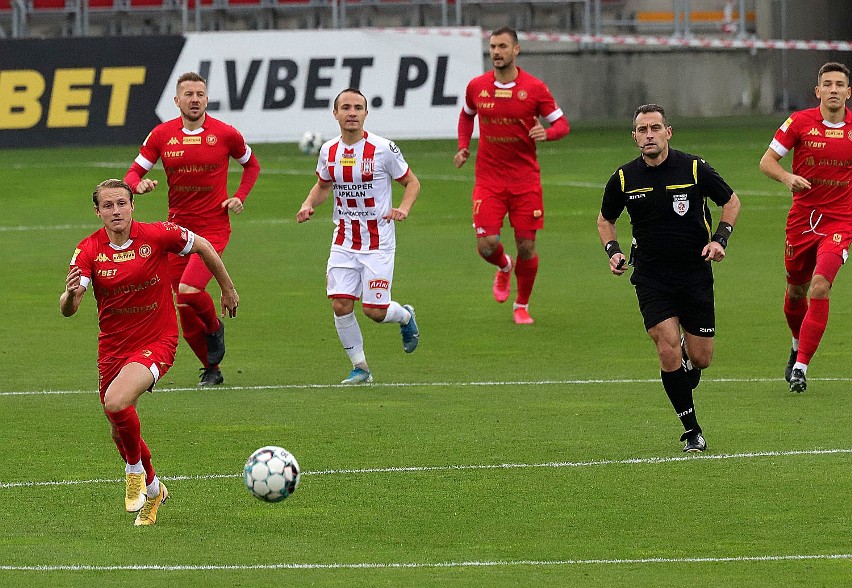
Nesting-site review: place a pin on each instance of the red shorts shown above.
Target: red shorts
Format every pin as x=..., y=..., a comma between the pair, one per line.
x=157, y=357
x=811, y=239
x=490, y=206
x=190, y=269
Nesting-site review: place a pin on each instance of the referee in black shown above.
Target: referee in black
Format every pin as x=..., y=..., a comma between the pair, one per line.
x=665, y=192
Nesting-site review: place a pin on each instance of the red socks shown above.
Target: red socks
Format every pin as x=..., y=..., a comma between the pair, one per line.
x=497, y=258
x=193, y=332
x=525, y=272
x=795, y=311
x=812, y=329
x=202, y=304
x=129, y=432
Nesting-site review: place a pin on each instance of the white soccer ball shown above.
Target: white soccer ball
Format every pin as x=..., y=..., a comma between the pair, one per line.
x=310, y=143
x=271, y=473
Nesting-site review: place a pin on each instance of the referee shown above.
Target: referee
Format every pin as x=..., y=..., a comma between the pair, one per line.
x=665, y=192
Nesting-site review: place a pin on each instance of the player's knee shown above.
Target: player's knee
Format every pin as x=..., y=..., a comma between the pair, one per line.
x=115, y=402
x=375, y=314
x=820, y=287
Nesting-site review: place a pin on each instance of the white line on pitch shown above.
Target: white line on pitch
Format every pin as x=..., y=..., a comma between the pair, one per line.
x=432, y=385
x=446, y=564
x=463, y=467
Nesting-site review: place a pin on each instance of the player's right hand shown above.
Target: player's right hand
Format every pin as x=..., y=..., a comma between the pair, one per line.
x=145, y=185
x=461, y=156
x=617, y=263
x=72, y=280
x=305, y=213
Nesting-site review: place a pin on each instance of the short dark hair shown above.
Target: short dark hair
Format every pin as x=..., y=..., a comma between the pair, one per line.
x=647, y=108
x=833, y=66
x=111, y=183
x=351, y=91
x=507, y=31
x=190, y=76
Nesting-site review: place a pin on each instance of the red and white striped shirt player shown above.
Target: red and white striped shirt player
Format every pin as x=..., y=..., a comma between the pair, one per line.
x=362, y=177
x=361, y=168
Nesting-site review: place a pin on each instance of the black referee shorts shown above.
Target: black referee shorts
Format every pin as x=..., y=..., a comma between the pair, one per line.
x=690, y=298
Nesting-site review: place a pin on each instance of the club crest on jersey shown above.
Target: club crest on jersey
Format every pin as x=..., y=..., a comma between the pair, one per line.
x=211, y=140
x=145, y=250
x=367, y=167
x=522, y=94
x=680, y=203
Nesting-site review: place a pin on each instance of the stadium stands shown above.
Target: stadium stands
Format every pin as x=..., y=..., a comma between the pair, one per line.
x=50, y=18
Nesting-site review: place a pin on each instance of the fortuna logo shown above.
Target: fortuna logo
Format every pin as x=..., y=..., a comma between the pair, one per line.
x=502, y=93
x=484, y=94
x=101, y=257
x=379, y=284
x=834, y=133
x=814, y=132
x=124, y=256
x=192, y=140
x=173, y=141
x=348, y=159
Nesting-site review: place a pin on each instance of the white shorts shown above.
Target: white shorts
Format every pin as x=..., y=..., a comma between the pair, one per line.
x=368, y=276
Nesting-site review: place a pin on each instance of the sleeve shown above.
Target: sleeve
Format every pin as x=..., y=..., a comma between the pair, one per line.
x=251, y=170
x=466, y=119
x=712, y=185
x=613, y=198
x=786, y=137
x=149, y=153
x=395, y=162
x=323, y=173
x=83, y=260
x=175, y=238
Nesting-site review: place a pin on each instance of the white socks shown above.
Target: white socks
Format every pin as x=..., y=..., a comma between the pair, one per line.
x=397, y=314
x=350, y=337
x=135, y=468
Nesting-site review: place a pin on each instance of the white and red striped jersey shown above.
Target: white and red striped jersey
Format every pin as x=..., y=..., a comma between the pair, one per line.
x=363, y=176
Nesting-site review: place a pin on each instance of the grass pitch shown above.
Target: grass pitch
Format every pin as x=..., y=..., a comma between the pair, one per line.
x=496, y=455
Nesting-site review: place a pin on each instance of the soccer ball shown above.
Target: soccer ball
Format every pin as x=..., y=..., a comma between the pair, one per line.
x=271, y=473
x=310, y=143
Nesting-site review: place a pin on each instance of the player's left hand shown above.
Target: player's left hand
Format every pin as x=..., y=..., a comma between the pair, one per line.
x=234, y=205
x=230, y=302
x=713, y=251
x=396, y=215
x=538, y=132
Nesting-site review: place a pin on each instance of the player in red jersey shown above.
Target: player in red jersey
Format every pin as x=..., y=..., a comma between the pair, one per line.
x=195, y=149
x=126, y=264
x=361, y=167
x=819, y=224
x=509, y=102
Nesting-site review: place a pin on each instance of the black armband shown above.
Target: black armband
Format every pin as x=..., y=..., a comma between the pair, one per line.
x=722, y=234
x=612, y=248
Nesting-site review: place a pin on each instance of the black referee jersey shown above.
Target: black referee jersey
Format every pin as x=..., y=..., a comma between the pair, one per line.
x=668, y=209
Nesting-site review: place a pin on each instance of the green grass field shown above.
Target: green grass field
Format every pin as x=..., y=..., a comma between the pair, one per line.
x=496, y=455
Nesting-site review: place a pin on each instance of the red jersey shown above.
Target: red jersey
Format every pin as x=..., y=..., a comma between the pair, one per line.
x=196, y=165
x=822, y=154
x=363, y=176
x=131, y=284
x=507, y=155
